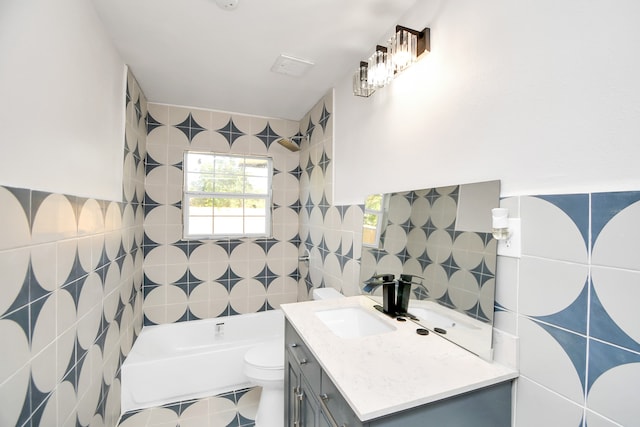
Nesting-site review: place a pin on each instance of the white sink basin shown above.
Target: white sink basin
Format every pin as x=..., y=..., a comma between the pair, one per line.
x=353, y=322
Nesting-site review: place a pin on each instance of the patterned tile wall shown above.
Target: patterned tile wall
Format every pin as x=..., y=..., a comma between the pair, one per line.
x=191, y=279
x=572, y=299
x=71, y=294
x=331, y=234
x=235, y=409
x=457, y=267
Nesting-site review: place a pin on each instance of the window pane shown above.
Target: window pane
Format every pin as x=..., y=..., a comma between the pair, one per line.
x=224, y=225
x=200, y=206
x=199, y=182
x=373, y=202
x=227, y=164
x=371, y=220
x=224, y=206
x=255, y=225
x=234, y=195
x=229, y=184
x=253, y=207
x=369, y=236
x=256, y=185
x=199, y=162
x=200, y=225
x=257, y=167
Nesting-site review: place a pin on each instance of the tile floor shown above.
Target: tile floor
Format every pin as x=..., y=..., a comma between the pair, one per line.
x=235, y=409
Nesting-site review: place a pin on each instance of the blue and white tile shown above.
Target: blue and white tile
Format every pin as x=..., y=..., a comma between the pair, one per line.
x=616, y=236
x=14, y=371
x=613, y=371
x=54, y=219
x=14, y=228
x=111, y=296
x=89, y=385
x=208, y=299
x=247, y=296
x=60, y=408
x=615, y=316
x=285, y=189
x=14, y=265
x=538, y=406
x=284, y=220
x=44, y=369
x=568, y=231
x=593, y=419
x=111, y=354
x=282, y=258
x=554, y=291
x=553, y=358
x=247, y=260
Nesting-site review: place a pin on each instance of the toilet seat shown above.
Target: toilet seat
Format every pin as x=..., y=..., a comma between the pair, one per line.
x=265, y=362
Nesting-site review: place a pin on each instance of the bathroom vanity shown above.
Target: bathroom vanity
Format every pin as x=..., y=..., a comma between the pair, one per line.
x=346, y=364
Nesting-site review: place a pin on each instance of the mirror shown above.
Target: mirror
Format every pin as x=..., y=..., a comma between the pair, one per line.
x=442, y=237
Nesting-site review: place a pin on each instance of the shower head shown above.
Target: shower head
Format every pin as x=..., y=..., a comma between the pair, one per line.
x=290, y=144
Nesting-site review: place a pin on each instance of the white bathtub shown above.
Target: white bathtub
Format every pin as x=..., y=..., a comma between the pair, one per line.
x=189, y=360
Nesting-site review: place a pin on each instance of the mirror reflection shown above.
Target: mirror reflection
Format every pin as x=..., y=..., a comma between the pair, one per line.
x=438, y=239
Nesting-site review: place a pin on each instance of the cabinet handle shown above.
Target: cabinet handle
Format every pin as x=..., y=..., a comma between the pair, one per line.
x=295, y=356
x=299, y=397
x=323, y=402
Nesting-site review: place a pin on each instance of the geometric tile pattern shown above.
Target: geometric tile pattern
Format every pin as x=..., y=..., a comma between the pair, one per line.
x=194, y=279
x=576, y=311
x=420, y=238
x=236, y=409
x=330, y=234
x=71, y=294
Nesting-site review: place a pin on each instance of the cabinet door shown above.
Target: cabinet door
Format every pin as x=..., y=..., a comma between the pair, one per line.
x=309, y=406
x=292, y=394
x=335, y=406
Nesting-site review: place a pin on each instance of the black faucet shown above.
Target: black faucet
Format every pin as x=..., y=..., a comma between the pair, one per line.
x=388, y=283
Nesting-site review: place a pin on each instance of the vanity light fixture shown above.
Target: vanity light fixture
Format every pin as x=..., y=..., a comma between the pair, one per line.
x=407, y=45
x=380, y=71
x=403, y=49
x=360, y=83
x=507, y=232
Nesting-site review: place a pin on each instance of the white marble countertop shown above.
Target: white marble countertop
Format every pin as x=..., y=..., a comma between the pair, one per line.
x=393, y=371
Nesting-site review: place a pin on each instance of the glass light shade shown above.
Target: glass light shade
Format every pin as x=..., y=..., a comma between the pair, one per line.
x=380, y=71
x=360, y=83
x=403, y=48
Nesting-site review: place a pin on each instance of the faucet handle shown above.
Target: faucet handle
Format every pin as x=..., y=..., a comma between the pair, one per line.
x=386, y=277
x=408, y=278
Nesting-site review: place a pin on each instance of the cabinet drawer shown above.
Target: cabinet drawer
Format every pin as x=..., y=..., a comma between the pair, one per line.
x=335, y=406
x=301, y=355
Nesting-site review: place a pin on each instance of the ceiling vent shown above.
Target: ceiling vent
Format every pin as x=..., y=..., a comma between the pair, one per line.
x=227, y=4
x=291, y=66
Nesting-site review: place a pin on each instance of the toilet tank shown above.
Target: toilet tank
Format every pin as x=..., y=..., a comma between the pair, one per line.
x=326, y=293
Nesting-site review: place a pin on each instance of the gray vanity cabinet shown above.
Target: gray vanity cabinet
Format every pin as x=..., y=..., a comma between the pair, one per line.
x=314, y=401
x=301, y=382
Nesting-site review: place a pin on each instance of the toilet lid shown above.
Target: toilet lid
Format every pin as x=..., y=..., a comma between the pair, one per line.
x=267, y=356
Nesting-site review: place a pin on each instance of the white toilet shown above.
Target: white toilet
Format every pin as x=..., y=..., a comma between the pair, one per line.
x=264, y=366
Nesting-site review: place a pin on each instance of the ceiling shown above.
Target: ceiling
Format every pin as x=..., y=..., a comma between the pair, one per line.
x=194, y=53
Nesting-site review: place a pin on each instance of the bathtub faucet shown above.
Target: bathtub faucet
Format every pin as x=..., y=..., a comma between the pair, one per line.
x=219, y=329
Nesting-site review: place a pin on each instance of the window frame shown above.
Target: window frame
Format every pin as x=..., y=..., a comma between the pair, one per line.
x=381, y=220
x=188, y=194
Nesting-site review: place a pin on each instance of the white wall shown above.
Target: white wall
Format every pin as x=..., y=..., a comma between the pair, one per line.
x=543, y=95
x=62, y=90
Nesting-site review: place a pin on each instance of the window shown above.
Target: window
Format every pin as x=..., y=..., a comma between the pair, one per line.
x=226, y=196
x=374, y=218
